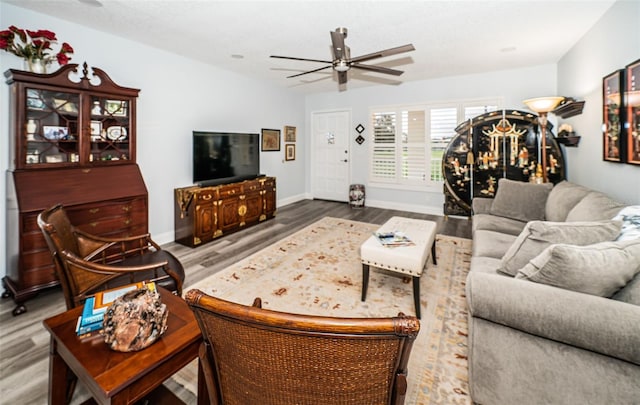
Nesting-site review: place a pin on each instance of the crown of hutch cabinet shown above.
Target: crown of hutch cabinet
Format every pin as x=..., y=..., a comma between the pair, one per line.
x=73, y=141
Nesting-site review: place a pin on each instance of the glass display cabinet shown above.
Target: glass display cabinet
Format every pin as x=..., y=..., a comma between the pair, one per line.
x=72, y=138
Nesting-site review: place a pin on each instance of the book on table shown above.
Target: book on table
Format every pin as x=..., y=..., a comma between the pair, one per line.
x=96, y=305
x=393, y=239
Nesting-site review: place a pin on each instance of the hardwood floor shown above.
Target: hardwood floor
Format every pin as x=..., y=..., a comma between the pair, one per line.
x=24, y=343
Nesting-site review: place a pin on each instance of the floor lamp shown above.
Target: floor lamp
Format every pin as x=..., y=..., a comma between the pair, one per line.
x=542, y=106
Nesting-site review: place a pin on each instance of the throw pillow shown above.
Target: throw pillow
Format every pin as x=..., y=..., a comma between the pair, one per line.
x=562, y=198
x=600, y=269
x=595, y=206
x=630, y=217
x=538, y=235
x=520, y=200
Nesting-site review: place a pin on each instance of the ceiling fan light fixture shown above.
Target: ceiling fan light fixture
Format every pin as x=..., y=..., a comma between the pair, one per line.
x=341, y=66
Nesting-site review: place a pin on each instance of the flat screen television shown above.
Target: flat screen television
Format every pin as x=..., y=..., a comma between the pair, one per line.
x=225, y=157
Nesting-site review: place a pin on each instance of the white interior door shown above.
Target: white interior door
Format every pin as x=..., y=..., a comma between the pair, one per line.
x=330, y=155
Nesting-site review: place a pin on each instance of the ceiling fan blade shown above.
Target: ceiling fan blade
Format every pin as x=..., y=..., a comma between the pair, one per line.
x=386, y=52
x=337, y=39
x=342, y=77
x=308, y=60
x=310, y=71
x=378, y=69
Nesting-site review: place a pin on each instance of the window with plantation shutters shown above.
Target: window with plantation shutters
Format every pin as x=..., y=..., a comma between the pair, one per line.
x=408, y=142
x=384, y=146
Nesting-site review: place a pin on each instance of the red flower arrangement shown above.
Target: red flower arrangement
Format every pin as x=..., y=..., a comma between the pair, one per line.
x=34, y=46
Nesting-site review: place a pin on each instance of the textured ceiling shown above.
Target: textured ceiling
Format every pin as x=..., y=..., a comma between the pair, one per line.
x=451, y=37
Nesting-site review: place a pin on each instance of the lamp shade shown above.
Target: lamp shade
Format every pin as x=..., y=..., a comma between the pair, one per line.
x=543, y=104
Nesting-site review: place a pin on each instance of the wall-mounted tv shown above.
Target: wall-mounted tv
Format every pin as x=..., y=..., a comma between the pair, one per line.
x=225, y=157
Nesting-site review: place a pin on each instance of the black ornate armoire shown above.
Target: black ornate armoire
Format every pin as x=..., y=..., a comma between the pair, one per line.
x=494, y=145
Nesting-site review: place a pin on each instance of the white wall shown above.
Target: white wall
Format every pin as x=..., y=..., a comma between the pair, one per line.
x=610, y=45
x=178, y=95
x=512, y=86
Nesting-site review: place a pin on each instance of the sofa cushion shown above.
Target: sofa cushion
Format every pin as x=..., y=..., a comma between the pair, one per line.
x=595, y=206
x=485, y=265
x=520, y=200
x=630, y=293
x=538, y=235
x=491, y=244
x=481, y=205
x=630, y=217
x=600, y=269
x=562, y=198
x=488, y=222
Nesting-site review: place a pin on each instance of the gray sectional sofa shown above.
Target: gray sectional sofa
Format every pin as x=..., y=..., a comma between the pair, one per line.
x=554, y=297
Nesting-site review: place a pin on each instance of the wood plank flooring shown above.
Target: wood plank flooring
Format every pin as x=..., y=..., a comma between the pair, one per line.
x=24, y=343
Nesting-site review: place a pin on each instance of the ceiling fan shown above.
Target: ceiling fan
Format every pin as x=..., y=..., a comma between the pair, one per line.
x=342, y=60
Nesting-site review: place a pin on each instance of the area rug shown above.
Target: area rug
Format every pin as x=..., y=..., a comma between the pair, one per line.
x=317, y=271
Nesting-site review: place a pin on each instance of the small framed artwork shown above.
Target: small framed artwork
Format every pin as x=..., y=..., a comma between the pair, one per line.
x=290, y=151
x=632, y=112
x=96, y=128
x=270, y=140
x=117, y=108
x=613, y=142
x=55, y=133
x=289, y=134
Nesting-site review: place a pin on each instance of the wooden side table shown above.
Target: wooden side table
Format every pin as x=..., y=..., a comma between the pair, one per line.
x=122, y=378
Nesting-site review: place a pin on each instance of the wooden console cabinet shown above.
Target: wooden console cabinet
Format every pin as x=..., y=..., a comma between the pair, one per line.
x=73, y=142
x=203, y=214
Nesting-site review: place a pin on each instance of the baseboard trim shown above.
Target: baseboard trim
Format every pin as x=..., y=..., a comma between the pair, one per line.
x=420, y=209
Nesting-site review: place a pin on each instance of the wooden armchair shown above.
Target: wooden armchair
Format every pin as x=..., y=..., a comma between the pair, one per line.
x=252, y=355
x=87, y=263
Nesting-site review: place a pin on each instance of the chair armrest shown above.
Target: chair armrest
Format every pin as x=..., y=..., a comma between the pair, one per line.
x=481, y=205
x=594, y=323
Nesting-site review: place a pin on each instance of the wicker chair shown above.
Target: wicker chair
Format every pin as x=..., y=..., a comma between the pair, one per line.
x=252, y=355
x=87, y=263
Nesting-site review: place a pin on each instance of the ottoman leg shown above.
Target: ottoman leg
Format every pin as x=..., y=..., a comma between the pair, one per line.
x=416, y=295
x=433, y=252
x=365, y=280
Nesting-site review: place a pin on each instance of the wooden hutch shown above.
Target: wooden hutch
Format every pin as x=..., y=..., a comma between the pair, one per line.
x=73, y=141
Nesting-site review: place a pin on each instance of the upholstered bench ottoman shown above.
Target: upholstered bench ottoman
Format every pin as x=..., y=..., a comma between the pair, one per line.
x=409, y=260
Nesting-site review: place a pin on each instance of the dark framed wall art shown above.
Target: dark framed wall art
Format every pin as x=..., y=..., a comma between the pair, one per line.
x=632, y=112
x=270, y=140
x=613, y=117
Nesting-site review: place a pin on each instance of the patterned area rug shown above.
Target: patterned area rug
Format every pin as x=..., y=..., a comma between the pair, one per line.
x=317, y=271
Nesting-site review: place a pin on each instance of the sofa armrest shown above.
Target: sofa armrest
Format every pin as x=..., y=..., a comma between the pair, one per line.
x=481, y=205
x=593, y=323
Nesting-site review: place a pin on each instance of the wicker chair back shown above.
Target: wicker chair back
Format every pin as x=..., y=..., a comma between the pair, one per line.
x=252, y=355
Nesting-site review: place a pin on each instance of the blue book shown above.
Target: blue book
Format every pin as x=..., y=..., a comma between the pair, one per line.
x=89, y=316
x=88, y=328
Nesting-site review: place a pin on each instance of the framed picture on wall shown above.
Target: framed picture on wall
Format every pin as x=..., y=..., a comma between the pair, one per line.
x=613, y=117
x=290, y=151
x=270, y=140
x=632, y=112
x=289, y=134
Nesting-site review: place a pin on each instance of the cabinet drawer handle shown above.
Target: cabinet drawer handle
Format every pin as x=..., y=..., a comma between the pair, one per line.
x=206, y=197
x=94, y=210
x=127, y=221
x=93, y=224
x=126, y=208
